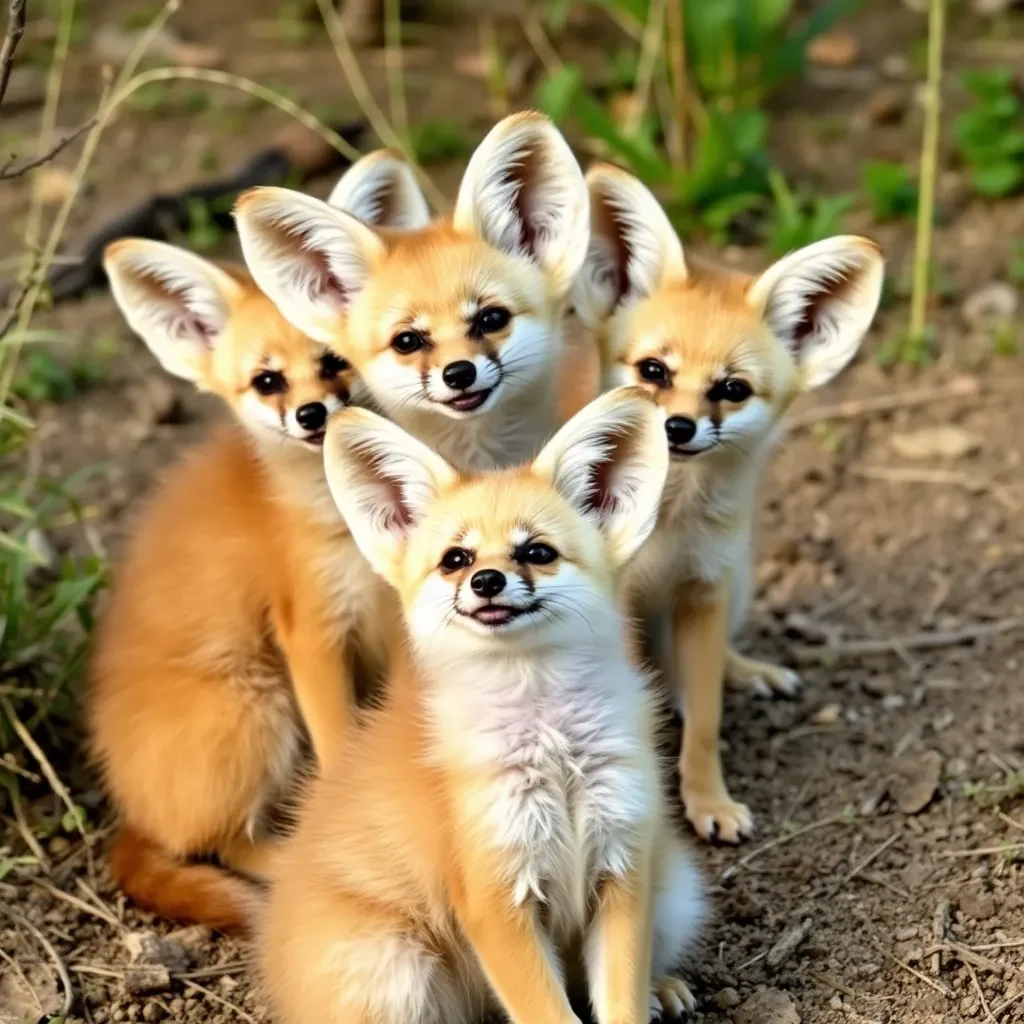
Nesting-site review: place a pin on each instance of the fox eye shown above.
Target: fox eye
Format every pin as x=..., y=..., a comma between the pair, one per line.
x=455, y=559
x=331, y=365
x=731, y=390
x=270, y=382
x=407, y=342
x=653, y=370
x=536, y=554
x=491, y=319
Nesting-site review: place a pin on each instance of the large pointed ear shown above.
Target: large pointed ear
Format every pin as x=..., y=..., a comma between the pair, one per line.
x=820, y=301
x=633, y=246
x=176, y=302
x=523, y=193
x=383, y=482
x=610, y=461
x=381, y=189
x=310, y=259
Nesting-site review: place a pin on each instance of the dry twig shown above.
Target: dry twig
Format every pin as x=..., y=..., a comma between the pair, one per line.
x=12, y=170
x=913, y=642
x=15, y=30
x=930, y=982
x=778, y=841
x=961, y=388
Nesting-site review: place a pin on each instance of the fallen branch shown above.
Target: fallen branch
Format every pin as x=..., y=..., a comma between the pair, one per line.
x=854, y=408
x=12, y=170
x=15, y=30
x=779, y=841
x=913, y=642
x=930, y=982
x=908, y=475
x=297, y=150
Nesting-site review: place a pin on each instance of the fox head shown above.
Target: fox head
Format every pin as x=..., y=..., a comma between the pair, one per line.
x=211, y=325
x=511, y=560
x=723, y=354
x=451, y=317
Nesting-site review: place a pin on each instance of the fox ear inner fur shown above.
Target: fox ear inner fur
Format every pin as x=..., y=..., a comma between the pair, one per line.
x=633, y=246
x=175, y=301
x=309, y=258
x=524, y=194
x=820, y=300
x=381, y=190
x=610, y=462
x=383, y=481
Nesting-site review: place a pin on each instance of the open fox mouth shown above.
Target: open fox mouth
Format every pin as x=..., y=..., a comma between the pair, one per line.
x=500, y=614
x=681, y=452
x=316, y=440
x=470, y=402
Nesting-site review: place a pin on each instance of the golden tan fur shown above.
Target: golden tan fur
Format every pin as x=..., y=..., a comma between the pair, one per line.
x=239, y=614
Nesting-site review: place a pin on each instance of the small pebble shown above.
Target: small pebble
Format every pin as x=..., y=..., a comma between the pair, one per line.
x=726, y=998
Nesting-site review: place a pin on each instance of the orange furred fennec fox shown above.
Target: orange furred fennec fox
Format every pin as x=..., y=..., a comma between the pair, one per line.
x=455, y=327
x=724, y=355
x=243, y=605
x=496, y=827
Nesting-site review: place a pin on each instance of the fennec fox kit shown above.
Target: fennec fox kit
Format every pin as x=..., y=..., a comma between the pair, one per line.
x=241, y=595
x=499, y=821
x=455, y=325
x=724, y=355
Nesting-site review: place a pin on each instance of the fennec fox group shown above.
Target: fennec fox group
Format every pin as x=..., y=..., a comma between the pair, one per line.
x=456, y=327
x=498, y=824
x=242, y=594
x=724, y=355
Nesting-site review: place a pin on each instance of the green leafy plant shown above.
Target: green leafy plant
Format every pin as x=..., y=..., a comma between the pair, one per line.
x=42, y=377
x=437, y=139
x=990, y=135
x=890, y=190
x=46, y=600
x=737, y=52
x=798, y=219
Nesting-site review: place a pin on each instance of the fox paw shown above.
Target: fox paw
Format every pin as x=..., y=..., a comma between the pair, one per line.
x=671, y=998
x=765, y=679
x=718, y=817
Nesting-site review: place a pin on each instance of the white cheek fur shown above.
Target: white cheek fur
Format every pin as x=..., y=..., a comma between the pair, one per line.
x=258, y=416
x=754, y=420
x=527, y=354
x=393, y=384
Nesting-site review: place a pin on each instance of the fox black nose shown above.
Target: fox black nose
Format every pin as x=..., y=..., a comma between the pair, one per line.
x=487, y=583
x=680, y=429
x=460, y=375
x=312, y=415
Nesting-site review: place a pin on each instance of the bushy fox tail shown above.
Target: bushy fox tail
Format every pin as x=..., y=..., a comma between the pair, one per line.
x=191, y=893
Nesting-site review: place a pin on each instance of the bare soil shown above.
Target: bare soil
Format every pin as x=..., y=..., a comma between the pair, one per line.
x=890, y=829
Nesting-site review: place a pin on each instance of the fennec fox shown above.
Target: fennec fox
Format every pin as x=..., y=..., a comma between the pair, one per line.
x=724, y=355
x=241, y=595
x=456, y=325
x=498, y=823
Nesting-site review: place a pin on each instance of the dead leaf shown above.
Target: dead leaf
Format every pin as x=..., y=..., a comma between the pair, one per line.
x=943, y=442
x=28, y=995
x=834, y=50
x=916, y=781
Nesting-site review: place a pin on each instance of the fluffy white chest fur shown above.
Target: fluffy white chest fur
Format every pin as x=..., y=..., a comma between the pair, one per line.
x=704, y=527
x=559, y=769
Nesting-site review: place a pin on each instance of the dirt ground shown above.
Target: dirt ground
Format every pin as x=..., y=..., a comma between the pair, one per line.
x=884, y=883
